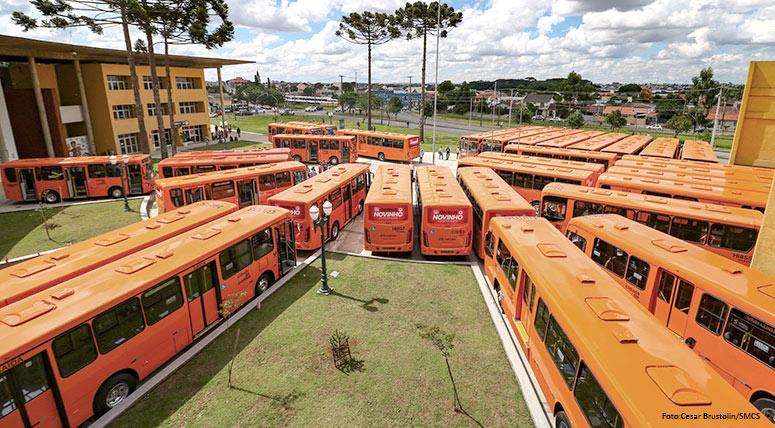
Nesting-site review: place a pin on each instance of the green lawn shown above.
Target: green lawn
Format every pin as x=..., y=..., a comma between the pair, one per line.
x=23, y=231
x=284, y=374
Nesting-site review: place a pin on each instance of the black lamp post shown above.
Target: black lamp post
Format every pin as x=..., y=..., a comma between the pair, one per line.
x=322, y=222
x=122, y=167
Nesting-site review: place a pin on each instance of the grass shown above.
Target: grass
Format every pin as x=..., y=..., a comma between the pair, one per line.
x=284, y=374
x=24, y=234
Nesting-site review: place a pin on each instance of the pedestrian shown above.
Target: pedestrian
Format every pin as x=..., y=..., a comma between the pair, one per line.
x=441, y=154
x=422, y=154
x=239, y=132
x=448, y=152
x=358, y=124
x=457, y=153
x=230, y=127
x=313, y=172
x=407, y=123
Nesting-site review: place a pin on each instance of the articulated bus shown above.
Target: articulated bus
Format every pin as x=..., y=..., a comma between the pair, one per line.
x=245, y=152
x=318, y=148
x=43, y=272
x=443, y=213
x=389, y=220
x=669, y=174
x=735, y=172
x=601, y=360
x=81, y=347
x=385, y=145
x=529, y=179
x=175, y=167
x=52, y=179
x=468, y=145
x=490, y=197
x=587, y=156
x=631, y=145
x=600, y=142
x=664, y=148
x=252, y=185
x=721, y=310
x=345, y=186
x=730, y=232
x=570, y=138
x=537, y=160
x=696, y=150
x=299, y=128
x=687, y=191
x=497, y=143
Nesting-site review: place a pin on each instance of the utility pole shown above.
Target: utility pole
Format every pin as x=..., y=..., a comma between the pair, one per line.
x=495, y=104
x=436, y=91
x=511, y=100
x=410, y=93
x=470, y=113
x=356, y=82
x=341, y=91
x=715, y=119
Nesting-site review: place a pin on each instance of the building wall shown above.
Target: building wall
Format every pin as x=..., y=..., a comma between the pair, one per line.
x=22, y=78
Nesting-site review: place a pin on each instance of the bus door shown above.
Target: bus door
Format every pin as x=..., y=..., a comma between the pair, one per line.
x=27, y=397
x=674, y=297
x=312, y=151
x=247, y=192
x=202, y=291
x=345, y=151
x=528, y=295
x=348, y=201
x=135, y=179
x=76, y=181
x=27, y=183
x=286, y=246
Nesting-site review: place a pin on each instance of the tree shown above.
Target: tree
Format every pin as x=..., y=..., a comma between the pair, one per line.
x=368, y=29
x=671, y=106
x=257, y=79
x=421, y=20
x=522, y=115
x=427, y=110
x=698, y=117
x=630, y=87
x=446, y=86
x=349, y=100
x=646, y=94
x=679, y=124
x=615, y=119
x=704, y=91
x=576, y=119
x=309, y=91
x=394, y=106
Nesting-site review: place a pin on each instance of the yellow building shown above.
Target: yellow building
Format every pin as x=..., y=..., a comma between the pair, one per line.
x=43, y=110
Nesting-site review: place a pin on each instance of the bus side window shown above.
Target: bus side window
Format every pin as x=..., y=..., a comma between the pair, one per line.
x=118, y=324
x=336, y=198
x=732, y=237
x=553, y=208
x=683, y=298
x=283, y=179
x=711, y=313
x=582, y=208
x=176, y=197
x=262, y=243
x=74, y=350
x=689, y=230
x=97, y=171
x=513, y=273
x=562, y=352
x=333, y=145
x=52, y=173
x=659, y=222
x=194, y=195
x=162, y=300
x=235, y=258
x=524, y=181
x=577, y=240
x=489, y=244
x=10, y=175
x=266, y=182
x=742, y=327
x=594, y=402
x=323, y=144
x=637, y=272
x=610, y=209
x=503, y=256
x=222, y=190
x=299, y=176
x=507, y=176
x=542, y=317
x=610, y=257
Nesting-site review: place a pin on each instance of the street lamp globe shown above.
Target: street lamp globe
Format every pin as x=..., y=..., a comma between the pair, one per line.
x=314, y=212
x=327, y=208
x=125, y=158
x=113, y=160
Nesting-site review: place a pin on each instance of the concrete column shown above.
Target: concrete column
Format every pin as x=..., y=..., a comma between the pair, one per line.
x=41, y=107
x=84, y=105
x=764, y=253
x=7, y=143
x=223, y=106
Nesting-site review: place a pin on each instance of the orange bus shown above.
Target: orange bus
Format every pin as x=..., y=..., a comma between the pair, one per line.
x=52, y=179
x=661, y=148
x=605, y=159
x=496, y=143
x=490, y=197
x=77, y=350
x=730, y=232
x=721, y=310
x=175, y=167
x=631, y=145
x=252, y=185
x=696, y=150
x=570, y=138
x=245, y=152
x=43, y=272
x=534, y=139
x=468, y=145
x=329, y=129
x=598, y=143
x=298, y=128
x=705, y=165
x=385, y=145
x=345, y=186
x=539, y=160
x=601, y=360
x=444, y=213
x=529, y=179
x=736, y=172
x=318, y=148
x=388, y=223
x=682, y=190
x=668, y=174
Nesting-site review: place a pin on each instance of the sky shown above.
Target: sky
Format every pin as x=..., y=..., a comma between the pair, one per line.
x=643, y=41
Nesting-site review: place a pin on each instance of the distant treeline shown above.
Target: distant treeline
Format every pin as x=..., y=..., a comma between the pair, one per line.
x=555, y=84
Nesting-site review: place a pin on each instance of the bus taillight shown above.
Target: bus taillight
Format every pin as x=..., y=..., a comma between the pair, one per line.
x=468, y=239
x=368, y=236
x=409, y=236
x=425, y=239
x=306, y=234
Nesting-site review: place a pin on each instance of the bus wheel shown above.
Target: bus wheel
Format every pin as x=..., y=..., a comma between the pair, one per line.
x=536, y=206
x=561, y=420
x=500, y=297
x=51, y=197
x=334, y=231
x=115, y=192
x=381, y=156
x=333, y=160
x=297, y=158
x=360, y=207
x=113, y=392
x=263, y=283
x=767, y=407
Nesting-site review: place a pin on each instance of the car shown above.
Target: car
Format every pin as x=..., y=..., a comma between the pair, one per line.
x=287, y=112
x=338, y=109
x=555, y=119
x=656, y=127
x=311, y=108
x=539, y=117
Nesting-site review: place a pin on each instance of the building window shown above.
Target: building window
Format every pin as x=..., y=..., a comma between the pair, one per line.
x=155, y=138
x=188, y=107
x=124, y=111
x=193, y=133
x=184, y=82
x=116, y=83
x=128, y=143
x=165, y=109
x=148, y=82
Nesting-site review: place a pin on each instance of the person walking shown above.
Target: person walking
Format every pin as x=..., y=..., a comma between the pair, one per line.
x=358, y=124
x=422, y=154
x=239, y=133
x=230, y=127
x=441, y=154
x=313, y=172
x=448, y=153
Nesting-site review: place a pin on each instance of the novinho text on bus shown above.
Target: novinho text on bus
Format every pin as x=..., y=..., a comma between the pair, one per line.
x=299, y=128
x=596, y=168
x=605, y=159
x=661, y=148
x=243, y=152
x=443, y=213
x=252, y=185
x=345, y=186
x=333, y=149
x=730, y=232
x=696, y=150
x=52, y=179
x=631, y=145
x=721, y=310
x=601, y=360
x=75, y=350
x=43, y=272
x=678, y=176
x=490, y=197
x=388, y=224
x=175, y=167
x=385, y=145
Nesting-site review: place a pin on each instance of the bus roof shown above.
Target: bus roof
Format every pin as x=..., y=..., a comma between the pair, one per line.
x=33, y=162
x=391, y=184
x=529, y=168
x=296, y=125
x=728, y=280
x=658, y=165
x=599, y=142
x=508, y=136
x=221, y=160
x=629, y=352
x=315, y=137
x=229, y=174
x=246, y=152
x=32, y=321
x=537, y=138
x=537, y=160
x=698, y=151
x=376, y=133
x=661, y=148
x=680, y=163
x=491, y=192
x=708, y=212
x=570, y=138
x=320, y=185
x=437, y=186
x=560, y=151
x=758, y=186
x=628, y=145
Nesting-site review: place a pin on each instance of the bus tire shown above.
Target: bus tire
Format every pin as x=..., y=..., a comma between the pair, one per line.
x=767, y=407
x=115, y=192
x=381, y=156
x=113, y=392
x=360, y=207
x=264, y=282
x=333, y=160
x=51, y=197
x=297, y=158
x=561, y=420
x=334, y=231
x=536, y=206
x=499, y=296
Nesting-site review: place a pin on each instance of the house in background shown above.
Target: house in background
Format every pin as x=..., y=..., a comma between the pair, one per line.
x=543, y=102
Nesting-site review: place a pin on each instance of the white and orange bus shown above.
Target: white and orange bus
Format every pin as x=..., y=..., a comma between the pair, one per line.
x=318, y=148
x=722, y=310
x=663, y=148
x=443, y=213
x=345, y=186
x=385, y=145
x=600, y=359
x=388, y=224
x=733, y=172
x=570, y=138
x=540, y=160
x=490, y=197
x=298, y=128
x=252, y=185
x=81, y=347
x=175, y=167
x=599, y=143
x=696, y=150
x=605, y=159
x=631, y=145
x=730, y=232
x=52, y=179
